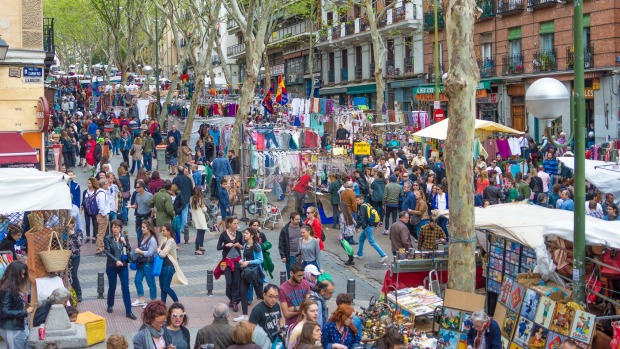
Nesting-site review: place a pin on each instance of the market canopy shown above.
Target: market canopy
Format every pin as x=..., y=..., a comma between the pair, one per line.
x=15, y=150
x=28, y=189
x=604, y=175
x=598, y=231
x=439, y=130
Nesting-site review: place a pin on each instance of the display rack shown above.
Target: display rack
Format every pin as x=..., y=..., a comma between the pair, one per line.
x=507, y=258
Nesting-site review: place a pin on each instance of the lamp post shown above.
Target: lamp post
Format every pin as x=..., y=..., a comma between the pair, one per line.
x=147, y=70
x=4, y=48
x=543, y=99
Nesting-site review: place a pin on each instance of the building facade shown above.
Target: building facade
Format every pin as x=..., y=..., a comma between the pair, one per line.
x=520, y=41
x=30, y=40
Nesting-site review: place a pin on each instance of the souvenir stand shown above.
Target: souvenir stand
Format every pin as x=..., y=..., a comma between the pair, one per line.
x=39, y=203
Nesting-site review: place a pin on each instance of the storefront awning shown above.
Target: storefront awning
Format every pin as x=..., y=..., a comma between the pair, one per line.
x=325, y=91
x=430, y=88
x=362, y=89
x=15, y=150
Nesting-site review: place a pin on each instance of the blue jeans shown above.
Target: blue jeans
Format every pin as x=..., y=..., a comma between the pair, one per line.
x=146, y=270
x=305, y=264
x=133, y=165
x=123, y=275
x=147, y=158
x=289, y=262
x=116, y=145
x=419, y=226
x=125, y=215
x=367, y=233
x=184, y=216
x=223, y=212
x=164, y=283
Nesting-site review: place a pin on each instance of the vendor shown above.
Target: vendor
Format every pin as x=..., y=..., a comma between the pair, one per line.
x=485, y=333
x=392, y=339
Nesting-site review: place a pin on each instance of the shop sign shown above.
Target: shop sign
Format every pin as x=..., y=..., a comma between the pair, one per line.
x=277, y=69
x=361, y=148
x=437, y=105
x=491, y=98
x=430, y=97
x=33, y=75
x=439, y=115
x=342, y=142
x=15, y=72
x=588, y=93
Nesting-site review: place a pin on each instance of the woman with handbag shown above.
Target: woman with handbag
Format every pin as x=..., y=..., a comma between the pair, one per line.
x=309, y=250
x=251, y=269
x=199, y=209
x=13, y=309
x=347, y=229
x=419, y=216
x=168, y=251
x=116, y=246
x=230, y=243
x=136, y=154
x=123, y=177
x=314, y=221
x=144, y=254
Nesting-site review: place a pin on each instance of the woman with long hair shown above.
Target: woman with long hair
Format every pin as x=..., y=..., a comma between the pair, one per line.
x=168, y=251
x=310, y=336
x=185, y=153
x=392, y=339
x=13, y=309
x=199, y=209
x=308, y=312
x=314, y=221
x=116, y=247
x=309, y=247
x=419, y=216
x=136, y=154
x=151, y=333
x=155, y=183
x=176, y=329
x=67, y=149
x=147, y=247
x=251, y=269
x=91, y=189
x=347, y=228
x=231, y=243
x=339, y=331
x=89, y=144
x=144, y=176
x=376, y=198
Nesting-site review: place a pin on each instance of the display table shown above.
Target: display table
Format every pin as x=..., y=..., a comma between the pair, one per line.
x=414, y=301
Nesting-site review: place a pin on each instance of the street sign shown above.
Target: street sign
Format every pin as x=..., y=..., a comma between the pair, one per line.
x=361, y=148
x=439, y=115
x=437, y=105
x=33, y=75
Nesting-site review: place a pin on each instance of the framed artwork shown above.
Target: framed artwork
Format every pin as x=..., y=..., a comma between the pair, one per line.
x=583, y=326
x=514, y=345
x=451, y=319
x=505, y=343
x=546, y=307
x=466, y=322
x=506, y=289
x=523, y=331
x=554, y=340
x=516, y=297
x=530, y=304
x=450, y=339
x=462, y=341
x=562, y=319
x=509, y=323
x=538, y=337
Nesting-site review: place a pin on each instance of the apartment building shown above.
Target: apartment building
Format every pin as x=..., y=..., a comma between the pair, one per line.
x=520, y=41
x=346, y=51
x=288, y=52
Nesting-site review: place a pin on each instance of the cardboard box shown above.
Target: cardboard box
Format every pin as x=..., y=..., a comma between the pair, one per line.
x=95, y=327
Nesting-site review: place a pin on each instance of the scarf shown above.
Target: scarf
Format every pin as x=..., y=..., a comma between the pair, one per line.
x=480, y=335
x=154, y=332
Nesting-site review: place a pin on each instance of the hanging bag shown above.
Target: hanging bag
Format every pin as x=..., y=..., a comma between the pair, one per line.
x=595, y=284
x=611, y=258
x=55, y=261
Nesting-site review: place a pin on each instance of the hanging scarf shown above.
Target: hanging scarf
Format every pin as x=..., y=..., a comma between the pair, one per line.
x=478, y=341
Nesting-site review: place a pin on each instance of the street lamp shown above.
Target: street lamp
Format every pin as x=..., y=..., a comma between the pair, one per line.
x=147, y=70
x=543, y=99
x=4, y=48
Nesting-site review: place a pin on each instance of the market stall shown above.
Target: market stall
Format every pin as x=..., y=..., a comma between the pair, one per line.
x=602, y=174
x=439, y=130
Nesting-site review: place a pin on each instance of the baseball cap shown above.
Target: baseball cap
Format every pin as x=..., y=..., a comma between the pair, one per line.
x=312, y=269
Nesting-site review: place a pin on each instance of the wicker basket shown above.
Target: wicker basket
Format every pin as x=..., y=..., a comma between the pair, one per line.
x=55, y=261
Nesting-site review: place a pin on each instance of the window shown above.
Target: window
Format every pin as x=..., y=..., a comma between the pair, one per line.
x=408, y=46
x=331, y=61
x=485, y=51
x=515, y=47
x=345, y=59
x=330, y=18
x=358, y=55
x=546, y=42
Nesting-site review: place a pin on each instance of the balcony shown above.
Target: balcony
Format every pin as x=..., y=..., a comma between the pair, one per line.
x=48, y=35
x=358, y=72
x=290, y=31
x=316, y=67
x=512, y=65
x=509, y=7
x=344, y=74
x=295, y=79
x=588, y=57
x=231, y=24
x=545, y=60
x=431, y=72
x=408, y=64
x=372, y=69
x=391, y=68
x=235, y=49
x=488, y=9
x=487, y=67
x=331, y=76
x=534, y=4
x=429, y=21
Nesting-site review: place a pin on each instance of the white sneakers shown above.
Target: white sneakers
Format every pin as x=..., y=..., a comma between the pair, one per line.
x=382, y=259
x=241, y=318
x=138, y=303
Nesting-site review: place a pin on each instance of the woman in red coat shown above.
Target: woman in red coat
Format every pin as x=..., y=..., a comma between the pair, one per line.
x=314, y=221
x=90, y=151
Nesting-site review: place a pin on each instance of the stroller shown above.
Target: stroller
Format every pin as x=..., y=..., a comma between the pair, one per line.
x=213, y=212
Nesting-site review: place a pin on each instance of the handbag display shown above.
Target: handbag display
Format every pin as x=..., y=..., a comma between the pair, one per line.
x=612, y=259
x=594, y=284
x=158, y=264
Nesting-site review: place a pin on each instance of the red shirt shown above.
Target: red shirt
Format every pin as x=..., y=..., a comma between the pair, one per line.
x=302, y=185
x=318, y=231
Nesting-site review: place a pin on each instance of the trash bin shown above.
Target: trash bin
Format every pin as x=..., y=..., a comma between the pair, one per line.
x=160, y=152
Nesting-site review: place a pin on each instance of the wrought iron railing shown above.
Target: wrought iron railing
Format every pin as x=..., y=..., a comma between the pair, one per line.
x=358, y=72
x=588, y=57
x=512, y=65
x=487, y=67
x=488, y=9
x=331, y=76
x=506, y=7
x=429, y=21
x=344, y=74
x=545, y=60
x=235, y=49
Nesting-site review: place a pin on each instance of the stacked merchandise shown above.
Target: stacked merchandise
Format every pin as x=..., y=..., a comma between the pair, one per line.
x=507, y=258
x=455, y=320
x=414, y=301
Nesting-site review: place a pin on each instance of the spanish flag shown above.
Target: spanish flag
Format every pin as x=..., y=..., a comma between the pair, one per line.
x=268, y=101
x=281, y=95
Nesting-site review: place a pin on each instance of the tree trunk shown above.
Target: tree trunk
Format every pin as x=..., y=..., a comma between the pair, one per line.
x=267, y=73
x=463, y=76
x=379, y=53
x=223, y=63
x=199, y=83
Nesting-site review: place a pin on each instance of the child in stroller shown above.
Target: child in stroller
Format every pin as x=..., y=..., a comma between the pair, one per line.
x=213, y=214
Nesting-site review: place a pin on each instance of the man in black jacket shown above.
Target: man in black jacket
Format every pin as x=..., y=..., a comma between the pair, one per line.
x=234, y=162
x=342, y=133
x=288, y=242
x=184, y=183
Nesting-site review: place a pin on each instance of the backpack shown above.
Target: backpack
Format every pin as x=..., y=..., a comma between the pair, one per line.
x=372, y=215
x=91, y=206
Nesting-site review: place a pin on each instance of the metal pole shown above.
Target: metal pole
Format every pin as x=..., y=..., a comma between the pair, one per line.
x=437, y=77
x=580, y=160
x=242, y=155
x=100, y=286
x=157, y=66
x=210, y=282
x=351, y=288
x=283, y=276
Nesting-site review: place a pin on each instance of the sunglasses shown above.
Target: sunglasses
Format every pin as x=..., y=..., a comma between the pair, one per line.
x=178, y=316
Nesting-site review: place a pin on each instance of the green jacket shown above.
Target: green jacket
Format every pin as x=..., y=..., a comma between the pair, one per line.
x=333, y=190
x=524, y=189
x=512, y=195
x=162, y=201
x=392, y=193
x=148, y=144
x=208, y=174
